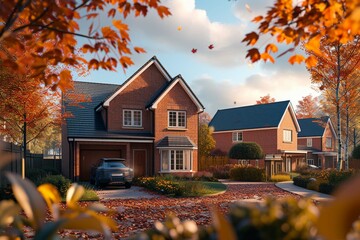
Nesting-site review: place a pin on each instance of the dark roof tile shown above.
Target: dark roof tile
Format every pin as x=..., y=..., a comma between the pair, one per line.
x=249, y=117
x=312, y=127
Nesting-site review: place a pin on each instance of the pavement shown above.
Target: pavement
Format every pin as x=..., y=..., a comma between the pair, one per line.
x=135, y=192
x=117, y=192
x=290, y=187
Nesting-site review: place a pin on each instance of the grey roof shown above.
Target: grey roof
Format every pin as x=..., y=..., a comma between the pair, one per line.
x=85, y=121
x=312, y=127
x=249, y=117
x=175, y=141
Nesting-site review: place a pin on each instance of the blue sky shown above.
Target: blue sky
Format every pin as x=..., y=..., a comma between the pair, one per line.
x=221, y=77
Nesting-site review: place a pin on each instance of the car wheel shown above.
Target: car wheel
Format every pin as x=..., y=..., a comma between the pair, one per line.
x=97, y=184
x=127, y=185
x=92, y=181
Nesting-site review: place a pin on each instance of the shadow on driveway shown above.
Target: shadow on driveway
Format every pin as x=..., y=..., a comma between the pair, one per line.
x=119, y=192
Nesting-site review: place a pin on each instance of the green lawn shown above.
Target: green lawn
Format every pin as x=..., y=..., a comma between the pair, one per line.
x=199, y=188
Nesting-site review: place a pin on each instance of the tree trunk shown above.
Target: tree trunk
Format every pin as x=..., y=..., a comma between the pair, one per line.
x=346, y=150
x=24, y=145
x=338, y=113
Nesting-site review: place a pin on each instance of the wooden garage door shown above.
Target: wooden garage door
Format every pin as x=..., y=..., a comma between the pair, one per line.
x=88, y=158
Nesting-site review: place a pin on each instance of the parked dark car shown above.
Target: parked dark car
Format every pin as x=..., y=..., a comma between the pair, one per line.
x=111, y=171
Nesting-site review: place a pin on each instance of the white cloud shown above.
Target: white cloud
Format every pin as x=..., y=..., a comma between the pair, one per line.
x=223, y=94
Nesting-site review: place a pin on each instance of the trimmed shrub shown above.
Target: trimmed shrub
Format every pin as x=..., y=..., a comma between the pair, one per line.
x=301, y=181
x=59, y=181
x=221, y=172
x=356, y=152
x=280, y=178
x=35, y=175
x=247, y=173
x=326, y=188
x=246, y=150
x=336, y=177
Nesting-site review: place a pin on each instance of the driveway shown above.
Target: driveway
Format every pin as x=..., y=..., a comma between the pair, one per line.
x=139, y=213
x=110, y=193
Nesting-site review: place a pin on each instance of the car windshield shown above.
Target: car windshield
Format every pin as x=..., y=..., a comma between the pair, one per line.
x=113, y=164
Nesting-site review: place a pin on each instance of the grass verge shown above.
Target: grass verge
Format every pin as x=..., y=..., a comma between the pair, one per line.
x=200, y=188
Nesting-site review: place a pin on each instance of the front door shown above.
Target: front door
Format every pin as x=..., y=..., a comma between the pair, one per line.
x=139, y=162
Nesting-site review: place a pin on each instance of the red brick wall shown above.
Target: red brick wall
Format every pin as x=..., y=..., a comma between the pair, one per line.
x=176, y=99
x=288, y=124
x=328, y=133
x=136, y=96
x=316, y=143
x=265, y=138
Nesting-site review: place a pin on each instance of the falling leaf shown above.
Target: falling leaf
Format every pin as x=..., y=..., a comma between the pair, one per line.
x=211, y=46
x=179, y=28
x=251, y=38
x=248, y=8
x=194, y=50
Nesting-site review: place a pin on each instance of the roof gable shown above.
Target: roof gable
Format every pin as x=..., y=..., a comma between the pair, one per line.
x=149, y=63
x=177, y=80
x=314, y=127
x=252, y=117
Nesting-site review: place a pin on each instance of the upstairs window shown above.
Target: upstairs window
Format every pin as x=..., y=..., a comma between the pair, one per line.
x=132, y=118
x=237, y=136
x=177, y=119
x=309, y=142
x=287, y=136
x=328, y=142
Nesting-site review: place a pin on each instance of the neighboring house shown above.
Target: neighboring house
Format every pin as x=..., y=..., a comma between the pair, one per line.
x=151, y=120
x=273, y=126
x=318, y=137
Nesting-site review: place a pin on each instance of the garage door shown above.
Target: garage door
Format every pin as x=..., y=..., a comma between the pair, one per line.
x=89, y=158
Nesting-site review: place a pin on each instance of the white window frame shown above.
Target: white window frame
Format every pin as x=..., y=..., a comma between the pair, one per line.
x=310, y=162
x=169, y=158
x=177, y=118
x=328, y=143
x=132, y=120
x=309, y=142
x=287, y=133
x=237, y=136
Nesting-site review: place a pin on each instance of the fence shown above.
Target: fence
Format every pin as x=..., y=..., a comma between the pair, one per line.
x=354, y=163
x=10, y=151
x=208, y=161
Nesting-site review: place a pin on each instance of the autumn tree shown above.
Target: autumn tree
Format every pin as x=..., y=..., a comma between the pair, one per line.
x=308, y=107
x=335, y=73
x=265, y=99
x=204, y=118
x=27, y=109
x=305, y=22
x=206, y=141
x=37, y=37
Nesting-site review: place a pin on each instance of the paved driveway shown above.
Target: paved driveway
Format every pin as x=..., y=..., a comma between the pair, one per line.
x=117, y=192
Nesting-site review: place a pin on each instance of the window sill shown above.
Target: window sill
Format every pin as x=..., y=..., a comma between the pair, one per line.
x=176, y=171
x=287, y=142
x=132, y=127
x=176, y=129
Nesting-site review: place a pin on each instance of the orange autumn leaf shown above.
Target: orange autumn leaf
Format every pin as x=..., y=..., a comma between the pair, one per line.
x=139, y=50
x=254, y=54
x=311, y=61
x=271, y=48
x=266, y=56
x=163, y=11
x=297, y=58
x=251, y=38
x=126, y=61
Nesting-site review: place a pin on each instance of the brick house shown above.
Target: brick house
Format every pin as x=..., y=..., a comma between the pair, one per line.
x=318, y=137
x=273, y=126
x=151, y=120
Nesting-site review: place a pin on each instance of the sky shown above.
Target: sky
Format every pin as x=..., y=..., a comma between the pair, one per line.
x=222, y=77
